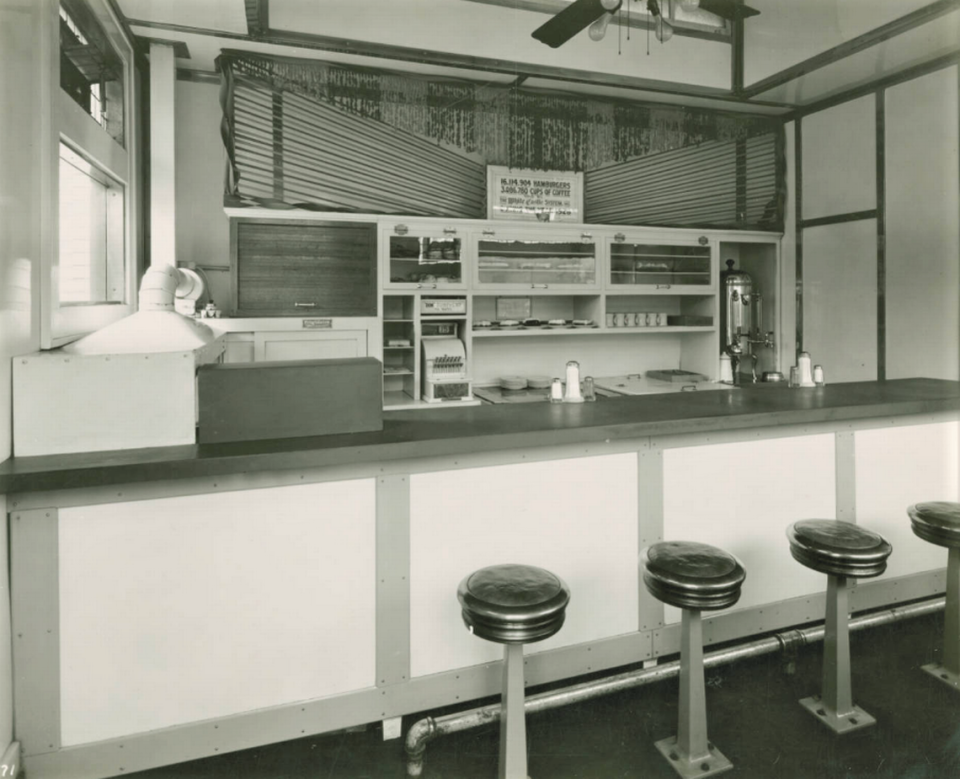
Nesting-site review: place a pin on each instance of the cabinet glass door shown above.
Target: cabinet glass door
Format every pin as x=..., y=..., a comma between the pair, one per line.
x=533, y=263
x=423, y=258
x=660, y=266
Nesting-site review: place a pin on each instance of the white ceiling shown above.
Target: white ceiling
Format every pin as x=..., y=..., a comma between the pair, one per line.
x=490, y=42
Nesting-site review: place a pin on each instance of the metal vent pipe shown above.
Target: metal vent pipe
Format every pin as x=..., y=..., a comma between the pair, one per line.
x=426, y=730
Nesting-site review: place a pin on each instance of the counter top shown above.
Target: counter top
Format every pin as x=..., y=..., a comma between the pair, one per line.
x=455, y=431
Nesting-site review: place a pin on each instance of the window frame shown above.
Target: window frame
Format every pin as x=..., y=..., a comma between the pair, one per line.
x=65, y=121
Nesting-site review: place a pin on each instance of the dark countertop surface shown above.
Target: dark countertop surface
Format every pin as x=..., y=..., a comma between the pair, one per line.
x=454, y=431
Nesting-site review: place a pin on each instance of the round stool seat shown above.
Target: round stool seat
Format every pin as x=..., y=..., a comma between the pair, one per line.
x=937, y=522
x=513, y=604
x=838, y=548
x=689, y=575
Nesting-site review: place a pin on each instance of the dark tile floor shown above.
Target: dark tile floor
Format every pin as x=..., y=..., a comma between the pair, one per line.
x=754, y=719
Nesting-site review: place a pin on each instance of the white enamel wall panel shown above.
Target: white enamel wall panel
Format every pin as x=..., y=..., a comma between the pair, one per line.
x=577, y=518
x=786, y=33
x=182, y=609
x=840, y=299
x=741, y=497
x=900, y=466
x=840, y=159
x=923, y=232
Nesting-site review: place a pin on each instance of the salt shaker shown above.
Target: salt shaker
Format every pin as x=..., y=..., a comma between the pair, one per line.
x=556, y=391
x=573, y=383
x=806, y=372
x=818, y=375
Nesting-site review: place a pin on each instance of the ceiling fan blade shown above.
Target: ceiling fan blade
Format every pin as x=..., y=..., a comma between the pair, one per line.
x=728, y=9
x=577, y=16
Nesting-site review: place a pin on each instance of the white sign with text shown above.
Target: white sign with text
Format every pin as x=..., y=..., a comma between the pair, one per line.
x=534, y=195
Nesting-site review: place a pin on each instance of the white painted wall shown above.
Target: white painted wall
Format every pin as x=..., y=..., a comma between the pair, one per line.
x=840, y=299
x=923, y=233
x=840, y=159
x=20, y=229
x=786, y=33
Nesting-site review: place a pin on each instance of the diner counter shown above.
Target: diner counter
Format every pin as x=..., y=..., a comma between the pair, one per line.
x=259, y=592
x=454, y=431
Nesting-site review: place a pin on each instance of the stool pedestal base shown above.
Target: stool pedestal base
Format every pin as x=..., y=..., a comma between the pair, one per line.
x=835, y=707
x=687, y=766
x=853, y=719
x=949, y=678
x=689, y=752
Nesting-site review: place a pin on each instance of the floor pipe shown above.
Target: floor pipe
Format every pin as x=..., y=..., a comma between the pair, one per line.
x=426, y=730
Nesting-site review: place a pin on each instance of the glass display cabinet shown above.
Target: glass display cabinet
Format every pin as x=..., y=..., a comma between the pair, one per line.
x=678, y=267
x=565, y=260
x=423, y=256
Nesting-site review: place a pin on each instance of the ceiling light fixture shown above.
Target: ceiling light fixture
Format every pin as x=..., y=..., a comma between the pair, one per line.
x=662, y=28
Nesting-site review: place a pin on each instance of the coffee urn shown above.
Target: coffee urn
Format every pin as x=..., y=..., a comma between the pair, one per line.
x=741, y=320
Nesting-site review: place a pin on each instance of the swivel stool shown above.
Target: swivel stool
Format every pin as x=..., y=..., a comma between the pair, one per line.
x=939, y=523
x=513, y=605
x=692, y=577
x=841, y=550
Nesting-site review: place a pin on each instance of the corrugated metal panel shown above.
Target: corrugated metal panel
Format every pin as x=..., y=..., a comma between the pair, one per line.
x=691, y=187
x=302, y=151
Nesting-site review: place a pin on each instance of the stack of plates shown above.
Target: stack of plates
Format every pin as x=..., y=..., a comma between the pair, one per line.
x=539, y=382
x=513, y=382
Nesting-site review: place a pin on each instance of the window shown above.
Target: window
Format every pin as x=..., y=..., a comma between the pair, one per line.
x=90, y=253
x=91, y=233
x=91, y=72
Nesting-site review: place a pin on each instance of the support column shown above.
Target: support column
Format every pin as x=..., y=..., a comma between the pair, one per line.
x=163, y=235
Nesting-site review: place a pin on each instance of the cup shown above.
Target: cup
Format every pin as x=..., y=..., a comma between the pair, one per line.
x=651, y=319
x=795, y=376
x=619, y=320
x=639, y=320
x=610, y=320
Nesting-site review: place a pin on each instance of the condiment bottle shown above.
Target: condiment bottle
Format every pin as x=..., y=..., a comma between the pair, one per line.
x=556, y=391
x=806, y=370
x=573, y=383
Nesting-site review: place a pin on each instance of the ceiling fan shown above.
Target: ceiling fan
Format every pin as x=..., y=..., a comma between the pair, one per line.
x=596, y=14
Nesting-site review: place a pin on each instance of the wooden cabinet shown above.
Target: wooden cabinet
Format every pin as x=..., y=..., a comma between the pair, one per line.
x=299, y=267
